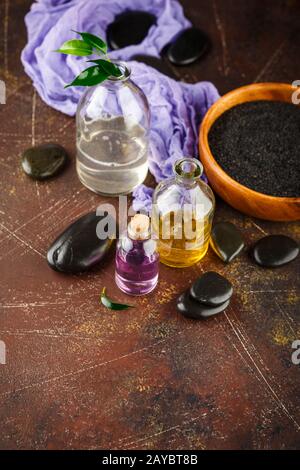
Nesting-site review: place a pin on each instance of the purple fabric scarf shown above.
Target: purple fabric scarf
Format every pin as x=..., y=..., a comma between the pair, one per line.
x=176, y=108
x=49, y=24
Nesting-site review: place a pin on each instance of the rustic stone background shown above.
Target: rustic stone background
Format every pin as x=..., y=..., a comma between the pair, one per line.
x=78, y=376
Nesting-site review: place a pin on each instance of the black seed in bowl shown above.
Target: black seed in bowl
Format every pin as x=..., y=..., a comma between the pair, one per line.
x=258, y=144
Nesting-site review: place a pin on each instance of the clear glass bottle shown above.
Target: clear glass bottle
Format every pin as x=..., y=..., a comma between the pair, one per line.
x=137, y=259
x=182, y=213
x=112, y=123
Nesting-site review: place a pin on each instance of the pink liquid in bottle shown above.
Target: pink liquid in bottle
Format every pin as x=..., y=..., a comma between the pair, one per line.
x=137, y=259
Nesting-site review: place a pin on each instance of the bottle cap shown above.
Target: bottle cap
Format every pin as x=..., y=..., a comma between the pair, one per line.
x=139, y=227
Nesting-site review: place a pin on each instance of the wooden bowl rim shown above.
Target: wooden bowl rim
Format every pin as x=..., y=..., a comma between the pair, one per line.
x=203, y=141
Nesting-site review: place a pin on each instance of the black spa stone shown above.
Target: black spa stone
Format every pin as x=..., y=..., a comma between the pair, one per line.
x=226, y=240
x=274, y=250
x=44, y=161
x=187, y=46
x=158, y=64
x=190, y=308
x=128, y=28
x=211, y=289
x=78, y=247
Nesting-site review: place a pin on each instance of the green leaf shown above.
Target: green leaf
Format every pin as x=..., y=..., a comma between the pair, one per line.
x=108, y=303
x=89, y=77
x=93, y=41
x=108, y=67
x=76, y=47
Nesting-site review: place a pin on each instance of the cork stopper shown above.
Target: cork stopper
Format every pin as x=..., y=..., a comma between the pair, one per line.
x=139, y=227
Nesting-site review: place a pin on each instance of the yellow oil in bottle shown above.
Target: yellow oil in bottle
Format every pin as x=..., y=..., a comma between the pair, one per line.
x=184, y=246
x=182, y=213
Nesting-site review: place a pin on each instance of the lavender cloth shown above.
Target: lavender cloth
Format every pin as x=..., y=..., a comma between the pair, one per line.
x=176, y=108
x=49, y=23
x=176, y=112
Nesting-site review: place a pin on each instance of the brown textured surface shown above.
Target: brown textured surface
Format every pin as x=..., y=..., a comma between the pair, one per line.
x=78, y=376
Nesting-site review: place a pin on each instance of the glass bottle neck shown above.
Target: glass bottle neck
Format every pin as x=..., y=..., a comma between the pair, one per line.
x=116, y=82
x=188, y=171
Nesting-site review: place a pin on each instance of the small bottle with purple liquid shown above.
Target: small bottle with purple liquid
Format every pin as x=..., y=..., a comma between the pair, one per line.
x=137, y=258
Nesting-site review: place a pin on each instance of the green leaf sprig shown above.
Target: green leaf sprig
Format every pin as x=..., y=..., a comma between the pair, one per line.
x=108, y=303
x=90, y=44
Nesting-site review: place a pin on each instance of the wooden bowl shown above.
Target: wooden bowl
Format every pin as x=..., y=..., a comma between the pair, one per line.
x=238, y=196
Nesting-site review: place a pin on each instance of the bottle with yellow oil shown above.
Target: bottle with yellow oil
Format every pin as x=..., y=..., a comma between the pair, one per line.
x=182, y=213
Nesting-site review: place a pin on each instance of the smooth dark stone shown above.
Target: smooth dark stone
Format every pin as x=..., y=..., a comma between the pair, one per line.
x=164, y=50
x=190, y=308
x=275, y=250
x=211, y=289
x=156, y=63
x=44, y=161
x=78, y=248
x=128, y=28
x=226, y=240
x=187, y=47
